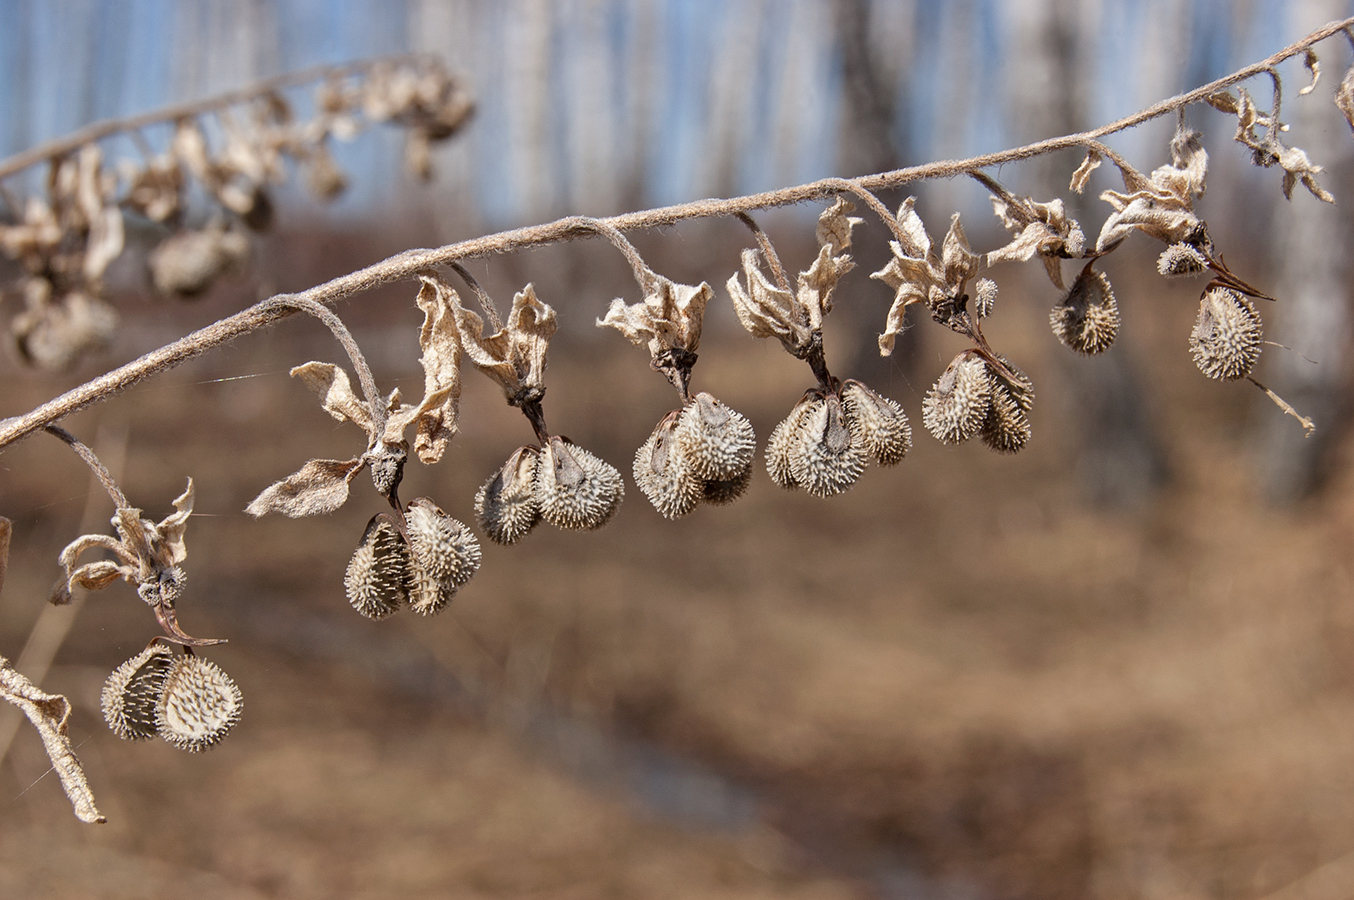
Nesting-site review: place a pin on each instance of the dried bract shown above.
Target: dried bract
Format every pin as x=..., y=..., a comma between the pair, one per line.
x=513, y=356
x=1038, y=228
x=918, y=275
x=199, y=706
x=1161, y=205
x=505, y=505
x=669, y=317
x=131, y=694
x=1227, y=336
x=1087, y=318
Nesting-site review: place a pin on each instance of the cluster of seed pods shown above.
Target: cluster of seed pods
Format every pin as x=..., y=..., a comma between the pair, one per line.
x=701, y=453
x=979, y=396
x=419, y=562
x=557, y=481
x=830, y=435
x=188, y=701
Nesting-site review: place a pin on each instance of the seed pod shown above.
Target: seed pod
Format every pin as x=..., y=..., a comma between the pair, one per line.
x=984, y=296
x=1226, y=339
x=956, y=407
x=1007, y=427
x=132, y=693
x=1087, y=319
x=54, y=333
x=879, y=422
x=663, y=473
x=717, y=442
x=782, y=441
x=506, y=506
x=199, y=705
x=576, y=490
x=1180, y=261
x=724, y=492
x=826, y=458
x=378, y=576
x=444, y=556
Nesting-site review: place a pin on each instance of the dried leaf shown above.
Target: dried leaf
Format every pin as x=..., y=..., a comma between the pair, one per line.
x=918, y=275
x=49, y=714
x=1296, y=166
x=105, y=242
x=668, y=318
x=834, y=226
x=514, y=356
x=317, y=488
x=766, y=310
x=437, y=413
x=1312, y=64
x=1083, y=172
x=1223, y=101
x=331, y=384
x=1164, y=206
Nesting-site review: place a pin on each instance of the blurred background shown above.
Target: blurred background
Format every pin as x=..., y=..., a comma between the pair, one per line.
x=1117, y=665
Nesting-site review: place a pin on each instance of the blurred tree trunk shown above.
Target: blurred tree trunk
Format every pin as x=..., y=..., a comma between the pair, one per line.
x=1120, y=461
x=1313, y=315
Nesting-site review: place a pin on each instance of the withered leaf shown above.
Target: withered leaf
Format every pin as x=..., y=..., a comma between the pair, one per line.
x=918, y=275
x=436, y=415
x=1344, y=97
x=317, y=488
x=336, y=395
x=766, y=310
x=514, y=356
x=668, y=318
x=1313, y=65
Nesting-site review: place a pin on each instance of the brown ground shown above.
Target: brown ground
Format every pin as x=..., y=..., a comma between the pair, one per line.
x=955, y=680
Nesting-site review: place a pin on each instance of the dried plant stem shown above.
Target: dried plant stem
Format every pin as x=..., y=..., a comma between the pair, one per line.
x=345, y=337
x=486, y=302
x=100, y=471
x=643, y=274
x=768, y=251
x=410, y=263
x=99, y=130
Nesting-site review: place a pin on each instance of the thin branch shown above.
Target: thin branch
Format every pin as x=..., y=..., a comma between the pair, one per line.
x=96, y=131
x=408, y=264
x=486, y=302
x=100, y=471
x=768, y=251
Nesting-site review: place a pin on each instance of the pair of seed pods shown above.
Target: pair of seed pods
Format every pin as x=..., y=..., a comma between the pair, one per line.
x=186, y=700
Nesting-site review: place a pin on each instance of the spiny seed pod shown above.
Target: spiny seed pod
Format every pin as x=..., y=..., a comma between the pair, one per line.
x=722, y=493
x=199, y=705
x=444, y=556
x=1226, y=338
x=506, y=506
x=1007, y=427
x=377, y=580
x=717, y=442
x=880, y=423
x=956, y=407
x=132, y=693
x=663, y=472
x=1087, y=319
x=984, y=297
x=1180, y=261
x=783, y=439
x=826, y=457
x=575, y=489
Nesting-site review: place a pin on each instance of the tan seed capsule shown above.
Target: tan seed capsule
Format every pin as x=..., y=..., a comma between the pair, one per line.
x=575, y=489
x=378, y=576
x=506, y=506
x=1007, y=427
x=956, y=406
x=984, y=297
x=663, y=473
x=444, y=556
x=132, y=693
x=1226, y=339
x=722, y=493
x=880, y=423
x=1180, y=261
x=782, y=442
x=199, y=706
x=826, y=458
x=186, y=264
x=717, y=441
x=1087, y=319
